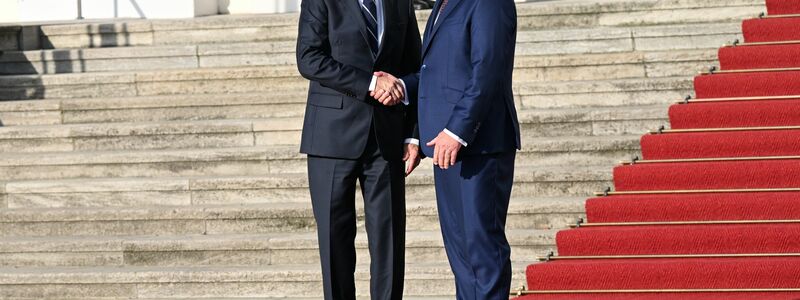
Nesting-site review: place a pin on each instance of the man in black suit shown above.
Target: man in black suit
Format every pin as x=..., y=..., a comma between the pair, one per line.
x=358, y=127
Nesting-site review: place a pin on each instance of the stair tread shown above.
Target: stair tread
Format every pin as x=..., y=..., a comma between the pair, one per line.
x=601, y=86
x=209, y=51
x=526, y=173
x=599, y=113
x=247, y=153
x=536, y=205
x=213, y=73
x=173, y=101
x=151, y=128
x=209, y=273
x=285, y=241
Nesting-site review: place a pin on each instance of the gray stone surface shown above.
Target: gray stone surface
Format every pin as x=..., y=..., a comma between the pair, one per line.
x=169, y=169
x=45, y=219
x=9, y=38
x=225, y=250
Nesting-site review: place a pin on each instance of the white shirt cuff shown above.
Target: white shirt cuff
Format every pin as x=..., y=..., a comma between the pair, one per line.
x=412, y=141
x=373, y=83
x=405, y=95
x=453, y=135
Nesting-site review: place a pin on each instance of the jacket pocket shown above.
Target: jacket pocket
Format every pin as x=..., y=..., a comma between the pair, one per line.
x=325, y=100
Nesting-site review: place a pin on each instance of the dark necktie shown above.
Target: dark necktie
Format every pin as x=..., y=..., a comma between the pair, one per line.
x=370, y=11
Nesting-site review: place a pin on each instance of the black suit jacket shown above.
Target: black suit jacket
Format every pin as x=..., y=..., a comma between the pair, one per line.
x=334, y=54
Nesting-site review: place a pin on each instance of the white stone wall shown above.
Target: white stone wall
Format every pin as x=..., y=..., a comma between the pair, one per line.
x=258, y=6
x=55, y=10
x=8, y=10
x=147, y=9
x=46, y=10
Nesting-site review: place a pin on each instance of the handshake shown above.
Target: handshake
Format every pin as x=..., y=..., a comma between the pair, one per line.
x=388, y=90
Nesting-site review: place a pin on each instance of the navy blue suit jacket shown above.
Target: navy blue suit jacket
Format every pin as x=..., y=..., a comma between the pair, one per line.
x=464, y=83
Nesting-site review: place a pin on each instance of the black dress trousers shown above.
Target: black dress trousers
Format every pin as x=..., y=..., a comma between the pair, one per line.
x=333, y=186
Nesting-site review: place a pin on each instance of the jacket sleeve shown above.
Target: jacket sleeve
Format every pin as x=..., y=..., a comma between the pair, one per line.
x=493, y=35
x=314, y=60
x=412, y=58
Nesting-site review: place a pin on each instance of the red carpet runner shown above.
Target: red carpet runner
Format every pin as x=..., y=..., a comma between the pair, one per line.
x=712, y=210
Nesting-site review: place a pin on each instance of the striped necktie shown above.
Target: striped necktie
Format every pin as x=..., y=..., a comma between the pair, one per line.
x=370, y=12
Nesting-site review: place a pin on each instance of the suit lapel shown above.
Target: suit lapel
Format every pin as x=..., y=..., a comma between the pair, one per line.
x=388, y=17
x=354, y=8
x=429, y=26
x=434, y=24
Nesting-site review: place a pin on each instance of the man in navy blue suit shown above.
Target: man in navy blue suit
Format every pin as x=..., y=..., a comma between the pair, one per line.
x=468, y=119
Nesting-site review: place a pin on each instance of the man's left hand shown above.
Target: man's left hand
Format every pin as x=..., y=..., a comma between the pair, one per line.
x=445, y=150
x=411, y=157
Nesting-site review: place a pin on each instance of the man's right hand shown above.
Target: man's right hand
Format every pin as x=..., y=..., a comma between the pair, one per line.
x=388, y=89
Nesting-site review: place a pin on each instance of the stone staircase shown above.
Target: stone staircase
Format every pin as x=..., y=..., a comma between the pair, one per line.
x=158, y=159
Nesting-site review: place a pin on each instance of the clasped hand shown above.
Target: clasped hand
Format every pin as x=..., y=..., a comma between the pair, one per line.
x=388, y=89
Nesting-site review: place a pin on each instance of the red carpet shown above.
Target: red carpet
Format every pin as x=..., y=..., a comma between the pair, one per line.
x=694, y=207
x=595, y=277
x=771, y=30
x=735, y=114
x=708, y=175
x=721, y=144
x=783, y=7
x=662, y=296
x=759, y=57
x=716, y=273
x=680, y=239
x=748, y=84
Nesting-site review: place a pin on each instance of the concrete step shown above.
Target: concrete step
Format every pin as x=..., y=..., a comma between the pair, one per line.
x=289, y=281
x=206, y=30
x=182, y=111
x=537, y=66
x=618, y=92
x=627, y=39
x=153, y=108
x=236, y=176
x=604, y=66
x=152, y=83
x=102, y=218
x=580, y=13
x=116, y=59
x=256, y=160
x=592, y=121
x=227, y=249
x=284, y=80
x=257, y=28
x=577, y=151
x=292, y=104
x=151, y=135
x=538, y=135
x=164, y=218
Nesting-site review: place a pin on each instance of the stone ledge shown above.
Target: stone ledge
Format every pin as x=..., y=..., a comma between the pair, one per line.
x=236, y=242
x=212, y=282
x=277, y=210
x=618, y=85
x=614, y=6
